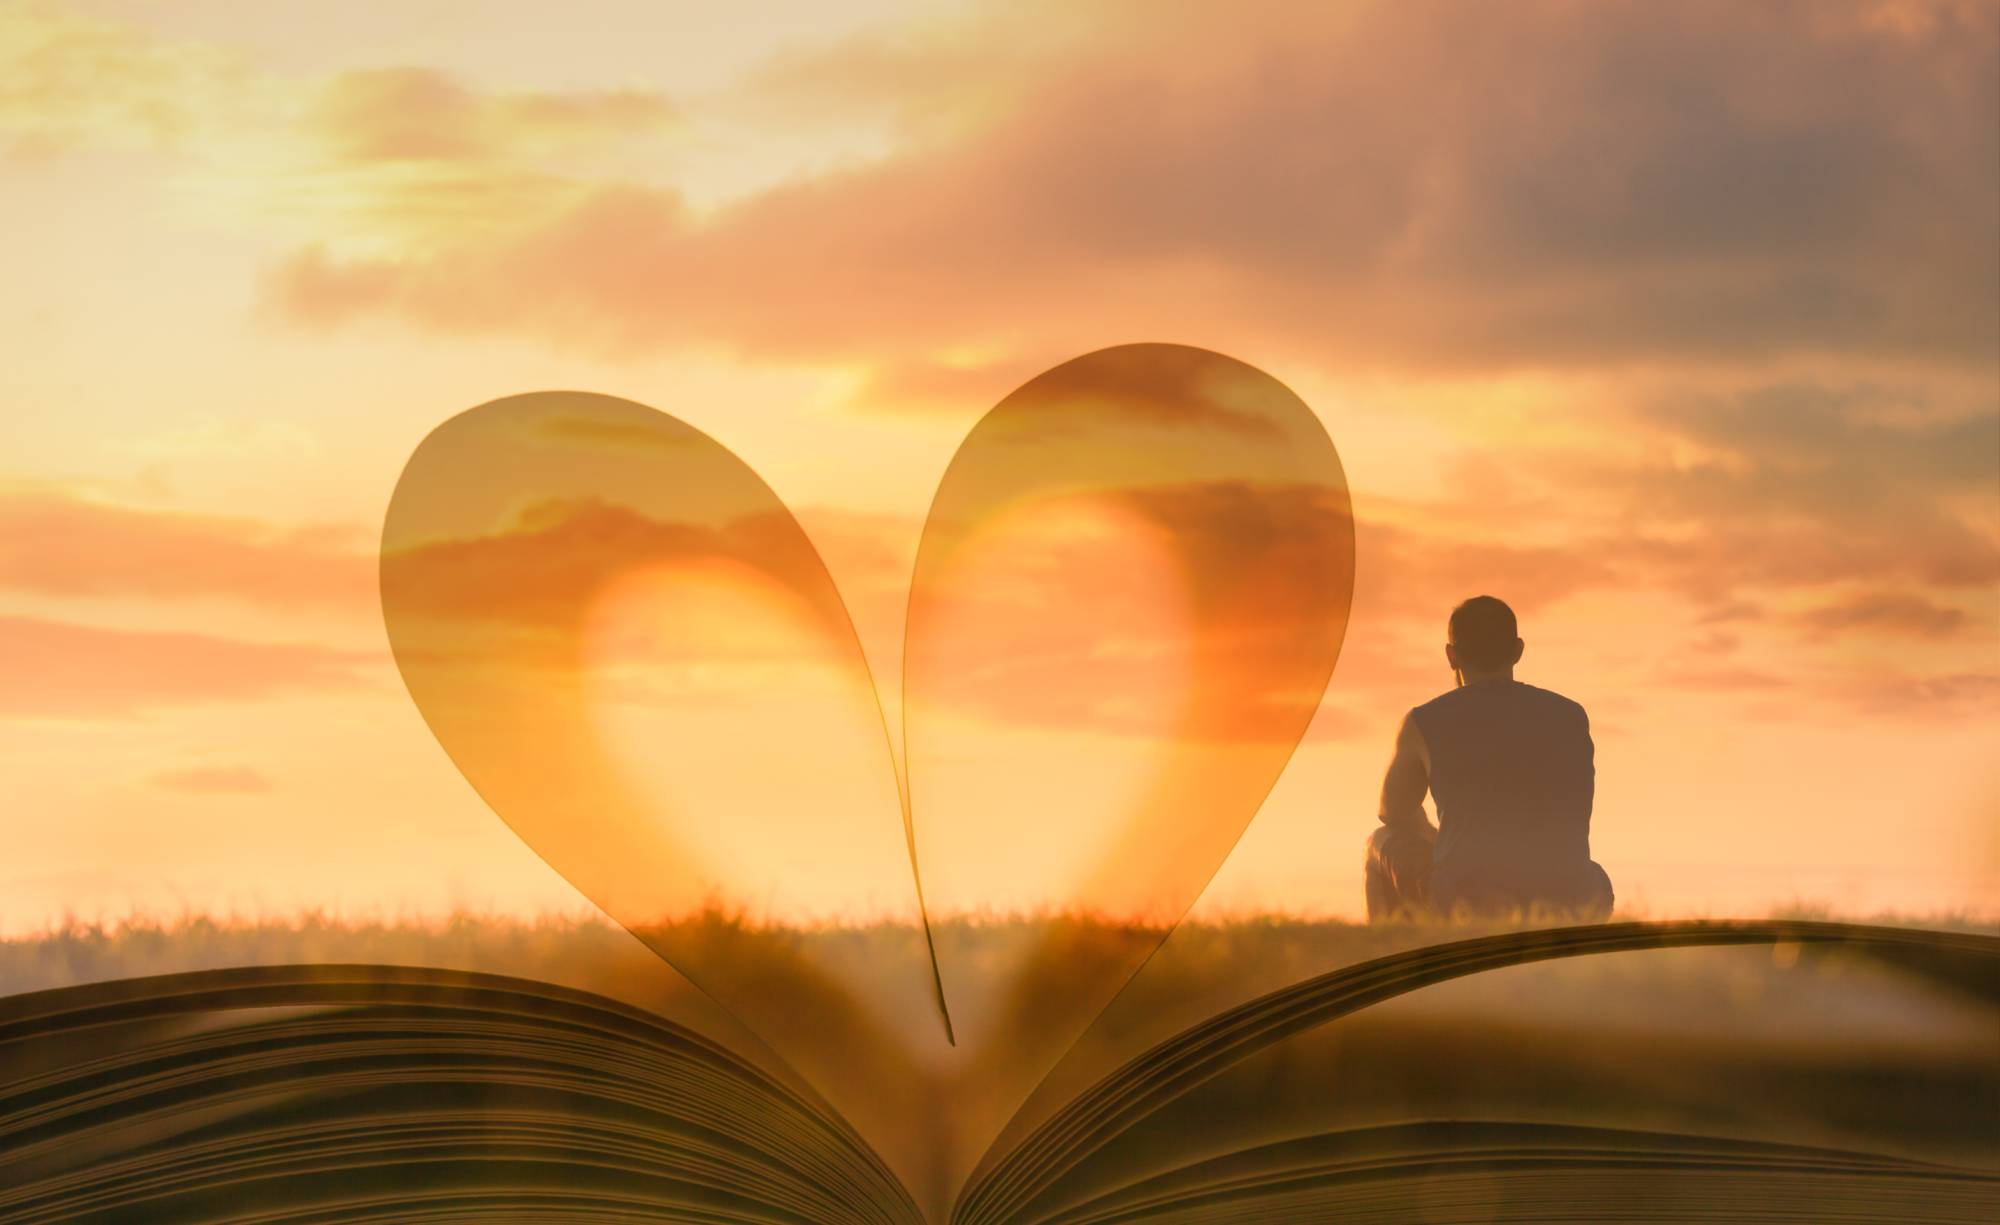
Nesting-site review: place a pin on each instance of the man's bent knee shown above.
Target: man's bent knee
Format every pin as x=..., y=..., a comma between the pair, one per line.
x=1396, y=871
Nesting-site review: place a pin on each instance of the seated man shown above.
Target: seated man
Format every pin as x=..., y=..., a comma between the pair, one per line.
x=1510, y=767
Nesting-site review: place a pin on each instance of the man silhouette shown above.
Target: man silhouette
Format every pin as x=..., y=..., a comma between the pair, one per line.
x=1510, y=768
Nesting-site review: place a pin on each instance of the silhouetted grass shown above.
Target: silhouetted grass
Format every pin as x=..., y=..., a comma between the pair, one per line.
x=598, y=955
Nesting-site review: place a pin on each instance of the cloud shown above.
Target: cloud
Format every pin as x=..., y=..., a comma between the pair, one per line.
x=212, y=780
x=1792, y=484
x=420, y=114
x=919, y=384
x=1784, y=523
x=1887, y=612
x=871, y=557
x=1829, y=447
x=395, y=158
x=540, y=571
x=1961, y=697
x=75, y=671
x=1415, y=184
x=1728, y=500
x=53, y=544
x=1734, y=612
x=1404, y=572
x=1726, y=678
x=67, y=82
x=1058, y=627
x=933, y=81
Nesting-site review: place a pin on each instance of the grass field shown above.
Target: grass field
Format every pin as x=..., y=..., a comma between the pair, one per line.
x=1201, y=962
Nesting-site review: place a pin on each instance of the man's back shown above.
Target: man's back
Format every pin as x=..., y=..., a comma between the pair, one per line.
x=1510, y=768
x=1511, y=772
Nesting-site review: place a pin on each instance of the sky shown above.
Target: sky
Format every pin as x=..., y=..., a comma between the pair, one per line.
x=1677, y=327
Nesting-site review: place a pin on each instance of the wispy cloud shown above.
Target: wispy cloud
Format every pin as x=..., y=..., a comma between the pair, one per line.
x=1957, y=696
x=55, y=544
x=396, y=158
x=412, y=114
x=59, y=669
x=73, y=82
x=1887, y=611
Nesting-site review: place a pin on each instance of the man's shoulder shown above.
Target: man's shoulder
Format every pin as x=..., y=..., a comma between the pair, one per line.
x=1441, y=702
x=1518, y=692
x=1555, y=701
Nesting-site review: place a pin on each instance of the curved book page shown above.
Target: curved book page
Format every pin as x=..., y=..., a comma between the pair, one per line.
x=1479, y=1173
x=1128, y=598
x=376, y=1093
x=631, y=650
x=1270, y=1107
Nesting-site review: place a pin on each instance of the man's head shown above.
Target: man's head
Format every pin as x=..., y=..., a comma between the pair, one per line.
x=1484, y=638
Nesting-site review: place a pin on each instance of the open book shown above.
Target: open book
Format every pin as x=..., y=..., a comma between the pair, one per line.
x=940, y=915
x=1857, y=1080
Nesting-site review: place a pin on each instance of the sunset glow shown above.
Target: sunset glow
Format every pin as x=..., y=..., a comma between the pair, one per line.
x=1675, y=326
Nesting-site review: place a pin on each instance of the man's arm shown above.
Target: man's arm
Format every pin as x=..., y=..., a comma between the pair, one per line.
x=1408, y=779
x=1586, y=776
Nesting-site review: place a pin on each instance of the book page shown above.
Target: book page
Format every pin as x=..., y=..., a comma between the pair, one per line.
x=1840, y=1040
x=1130, y=592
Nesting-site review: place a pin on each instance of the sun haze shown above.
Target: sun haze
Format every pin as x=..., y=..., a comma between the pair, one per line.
x=1674, y=326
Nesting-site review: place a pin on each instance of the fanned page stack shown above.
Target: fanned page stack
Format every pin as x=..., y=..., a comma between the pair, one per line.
x=941, y=917
x=1856, y=1079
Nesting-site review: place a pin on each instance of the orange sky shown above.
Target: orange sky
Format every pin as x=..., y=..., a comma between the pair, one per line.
x=1678, y=327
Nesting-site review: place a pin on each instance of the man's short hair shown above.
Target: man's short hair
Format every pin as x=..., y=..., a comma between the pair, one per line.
x=1483, y=631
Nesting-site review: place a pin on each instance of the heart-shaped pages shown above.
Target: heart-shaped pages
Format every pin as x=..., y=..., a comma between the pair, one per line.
x=1128, y=599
